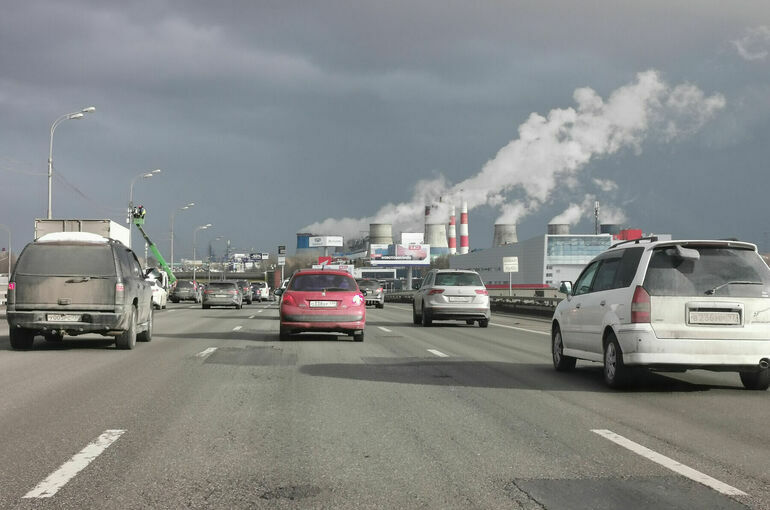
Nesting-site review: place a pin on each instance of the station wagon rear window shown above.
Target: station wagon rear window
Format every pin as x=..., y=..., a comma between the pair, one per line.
x=93, y=260
x=719, y=271
x=458, y=280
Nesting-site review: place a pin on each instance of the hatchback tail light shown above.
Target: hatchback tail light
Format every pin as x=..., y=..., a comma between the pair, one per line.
x=435, y=291
x=379, y=290
x=12, y=286
x=207, y=291
x=483, y=292
x=288, y=299
x=640, y=305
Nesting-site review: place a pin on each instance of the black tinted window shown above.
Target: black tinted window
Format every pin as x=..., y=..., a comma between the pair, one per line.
x=458, y=280
x=221, y=285
x=317, y=282
x=584, y=281
x=368, y=284
x=628, y=266
x=184, y=285
x=605, y=276
x=67, y=260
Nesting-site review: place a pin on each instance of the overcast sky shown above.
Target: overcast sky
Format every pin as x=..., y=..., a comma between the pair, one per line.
x=274, y=116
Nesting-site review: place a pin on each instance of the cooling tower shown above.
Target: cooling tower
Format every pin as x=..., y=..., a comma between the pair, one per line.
x=505, y=234
x=558, y=228
x=464, y=243
x=610, y=228
x=380, y=233
x=452, y=233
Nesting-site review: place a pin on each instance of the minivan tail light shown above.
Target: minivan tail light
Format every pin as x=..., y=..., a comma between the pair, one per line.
x=483, y=292
x=12, y=286
x=119, y=287
x=435, y=291
x=640, y=306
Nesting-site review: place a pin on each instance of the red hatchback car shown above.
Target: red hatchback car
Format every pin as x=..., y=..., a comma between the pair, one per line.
x=324, y=301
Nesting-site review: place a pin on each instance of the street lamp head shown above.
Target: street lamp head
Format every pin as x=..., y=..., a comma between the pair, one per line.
x=88, y=109
x=147, y=175
x=156, y=171
x=76, y=116
x=190, y=204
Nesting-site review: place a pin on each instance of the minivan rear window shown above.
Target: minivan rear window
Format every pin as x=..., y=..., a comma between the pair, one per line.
x=720, y=271
x=327, y=282
x=458, y=280
x=94, y=260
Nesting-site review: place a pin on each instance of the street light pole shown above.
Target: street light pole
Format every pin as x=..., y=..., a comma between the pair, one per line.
x=173, y=213
x=68, y=116
x=195, y=243
x=10, y=250
x=143, y=175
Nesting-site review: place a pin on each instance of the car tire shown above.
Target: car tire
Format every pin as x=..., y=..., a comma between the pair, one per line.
x=358, y=335
x=146, y=335
x=483, y=323
x=21, y=339
x=469, y=322
x=54, y=337
x=427, y=321
x=239, y=306
x=283, y=334
x=616, y=374
x=205, y=307
x=380, y=305
x=759, y=380
x=127, y=339
x=561, y=362
x=416, y=319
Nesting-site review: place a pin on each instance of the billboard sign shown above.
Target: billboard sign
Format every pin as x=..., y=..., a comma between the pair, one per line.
x=415, y=254
x=412, y=238
x=336, y=267
x=324, y=260
x=324, y=241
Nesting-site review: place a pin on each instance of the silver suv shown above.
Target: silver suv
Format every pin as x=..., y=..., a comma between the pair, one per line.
x=454, y=294
x=668, y=306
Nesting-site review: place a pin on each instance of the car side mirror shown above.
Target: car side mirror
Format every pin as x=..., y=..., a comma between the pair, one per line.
x=566, y=288
x=278, y=292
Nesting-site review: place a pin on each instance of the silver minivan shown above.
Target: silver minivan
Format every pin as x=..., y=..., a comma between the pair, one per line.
x=451, y=294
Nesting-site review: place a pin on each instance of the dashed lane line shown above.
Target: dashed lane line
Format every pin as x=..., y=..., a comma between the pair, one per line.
x=252, y=316
x=206, y=352
x=438, y=353
x=670, y=463
x=237, y=328
x=386, y=330
x=59, y=478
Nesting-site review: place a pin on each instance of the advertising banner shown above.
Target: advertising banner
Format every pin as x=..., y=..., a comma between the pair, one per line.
x=415, y=254
x=412, y=238
x=324, y=241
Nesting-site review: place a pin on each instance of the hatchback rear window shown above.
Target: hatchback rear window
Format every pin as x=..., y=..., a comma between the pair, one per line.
x=720, y=271
x=327, y=282
x=221, y=285
x=184, y=285
x=369, y=284
x=458, y=280
x=67, y=260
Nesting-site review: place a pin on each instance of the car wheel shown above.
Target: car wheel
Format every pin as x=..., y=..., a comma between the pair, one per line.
x=54, y=337
x=561, y=362
x=239, y=306
x=759, y=380
x=127, y=339
x=380, y=305
x=358, y=335
x=283, y=334
x=469, y=322
x=21, y=339
x=415, y=318
x=427, y=321
x=146, y=335
x=206, y=307
x=616, y=374
x=483, y=323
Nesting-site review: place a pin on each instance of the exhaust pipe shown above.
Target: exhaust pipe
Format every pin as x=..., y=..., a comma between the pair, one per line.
x=764, y=363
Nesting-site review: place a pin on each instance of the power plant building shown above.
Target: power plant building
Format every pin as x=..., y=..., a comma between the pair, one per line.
x=544, y=260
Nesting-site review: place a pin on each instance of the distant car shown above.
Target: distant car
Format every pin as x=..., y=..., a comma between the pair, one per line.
x=668, y=306
x=185, y=290
x=261, y=291
x=223, y=293
x=451, y=294
x=373, y=292
x=323, y=301
x=76, y=283
x=245, y=287
x=159, y=294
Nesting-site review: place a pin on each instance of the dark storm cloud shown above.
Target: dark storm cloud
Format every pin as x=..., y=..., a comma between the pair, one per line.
x=253, y=108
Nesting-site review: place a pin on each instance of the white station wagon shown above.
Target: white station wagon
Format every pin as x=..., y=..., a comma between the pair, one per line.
x=668, y=306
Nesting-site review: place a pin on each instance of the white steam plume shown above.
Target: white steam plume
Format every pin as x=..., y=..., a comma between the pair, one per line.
x=576, y=212
x=551, y=150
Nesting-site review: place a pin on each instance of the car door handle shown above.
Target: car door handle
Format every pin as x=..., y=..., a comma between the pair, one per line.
x=603, y=302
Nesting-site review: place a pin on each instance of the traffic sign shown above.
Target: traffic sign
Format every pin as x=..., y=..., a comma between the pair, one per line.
x=510, y=264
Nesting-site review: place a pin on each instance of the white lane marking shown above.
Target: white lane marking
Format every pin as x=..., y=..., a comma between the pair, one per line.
x=72, y=467
x=172, y=310
x=521, y=329
x=438, y=353
x=192, y=307
x=260, y=311
x=237, y=328
x=386, y=330
x=205, y=353
x=252, y=316
x=670, y=463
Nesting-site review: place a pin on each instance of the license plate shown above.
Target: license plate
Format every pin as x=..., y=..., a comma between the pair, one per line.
x=63, y=317
x=726, y=318
x=323, y=304
x=221, y=295
x=453, y=299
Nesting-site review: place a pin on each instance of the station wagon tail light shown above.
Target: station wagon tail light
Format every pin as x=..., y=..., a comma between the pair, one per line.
x=483, y=292
x=12, y=286
x=435, y=291
x=640, y=305
x=119, y=287
x=288, y=299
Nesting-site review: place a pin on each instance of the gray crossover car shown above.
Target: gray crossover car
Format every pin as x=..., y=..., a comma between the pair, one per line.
x=223, y=293
x=453, y=294
x=372, y=291
x=74, y=283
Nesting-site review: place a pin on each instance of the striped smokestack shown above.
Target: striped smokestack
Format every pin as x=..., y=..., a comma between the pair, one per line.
x=464, y=245
x=452, y=233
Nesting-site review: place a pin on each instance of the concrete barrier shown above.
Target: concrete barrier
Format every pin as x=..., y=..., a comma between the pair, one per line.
x=540, y=306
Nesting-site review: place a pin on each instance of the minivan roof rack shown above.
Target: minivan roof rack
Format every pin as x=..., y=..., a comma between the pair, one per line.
x=650, y=239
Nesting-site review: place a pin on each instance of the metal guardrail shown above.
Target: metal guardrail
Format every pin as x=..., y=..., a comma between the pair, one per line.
x=529, y=305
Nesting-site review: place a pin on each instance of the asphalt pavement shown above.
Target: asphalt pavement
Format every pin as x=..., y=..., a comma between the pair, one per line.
x=216, y=412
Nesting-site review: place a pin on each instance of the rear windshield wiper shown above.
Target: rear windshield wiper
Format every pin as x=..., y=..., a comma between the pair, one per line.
x=734, y=282
x=334, y=289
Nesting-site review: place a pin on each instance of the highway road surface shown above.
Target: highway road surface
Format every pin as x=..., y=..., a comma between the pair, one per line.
x=215, y=412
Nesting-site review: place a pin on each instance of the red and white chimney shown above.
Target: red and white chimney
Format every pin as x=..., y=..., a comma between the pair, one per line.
x=452, y=237
x=464, y=245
